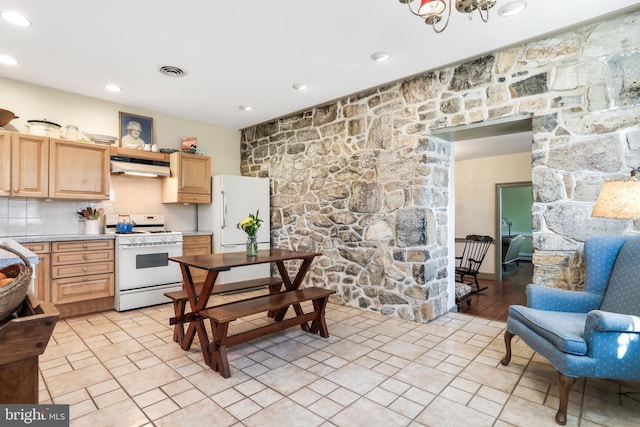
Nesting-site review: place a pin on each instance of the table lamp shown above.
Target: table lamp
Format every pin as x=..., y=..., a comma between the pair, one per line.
x=619, y=199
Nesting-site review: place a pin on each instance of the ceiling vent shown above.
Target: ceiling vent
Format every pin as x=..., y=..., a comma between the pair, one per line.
x=171, y=71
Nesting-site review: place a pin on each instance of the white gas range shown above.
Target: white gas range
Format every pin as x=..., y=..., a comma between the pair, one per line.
x=143, y=270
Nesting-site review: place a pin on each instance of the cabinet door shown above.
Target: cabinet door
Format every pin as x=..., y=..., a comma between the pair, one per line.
x=83, y=288
x=5, y=163
x=42, y=270
x=190, y=180
x=195, y=174
x=29, y=165
x=78, y=170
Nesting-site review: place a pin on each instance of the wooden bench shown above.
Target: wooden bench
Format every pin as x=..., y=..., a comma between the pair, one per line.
x=180, y=299
x=221, y=315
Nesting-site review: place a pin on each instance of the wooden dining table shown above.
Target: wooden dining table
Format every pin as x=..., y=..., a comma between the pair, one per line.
x=214, y=264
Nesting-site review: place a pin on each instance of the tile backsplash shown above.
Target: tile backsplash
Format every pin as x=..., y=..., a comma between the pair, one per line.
x=129, y=195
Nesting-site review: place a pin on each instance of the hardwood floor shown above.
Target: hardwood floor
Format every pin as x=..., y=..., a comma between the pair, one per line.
x=493, y=303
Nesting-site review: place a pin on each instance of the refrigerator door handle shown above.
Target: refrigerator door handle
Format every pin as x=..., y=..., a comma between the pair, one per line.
x=223, y=207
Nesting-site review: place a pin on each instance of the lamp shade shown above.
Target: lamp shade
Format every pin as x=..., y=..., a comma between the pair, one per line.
x=618, y=199
x=431, y=7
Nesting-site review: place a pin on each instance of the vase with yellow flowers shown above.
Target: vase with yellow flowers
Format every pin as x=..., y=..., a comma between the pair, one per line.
x=250, y=225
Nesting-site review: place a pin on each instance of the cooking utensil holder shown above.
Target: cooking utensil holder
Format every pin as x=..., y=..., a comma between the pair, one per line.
x=91, y=226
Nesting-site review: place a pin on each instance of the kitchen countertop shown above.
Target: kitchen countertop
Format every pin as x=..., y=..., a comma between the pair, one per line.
x=71, y=237
x=62, y=237
x=197, y=233
x=8, y=258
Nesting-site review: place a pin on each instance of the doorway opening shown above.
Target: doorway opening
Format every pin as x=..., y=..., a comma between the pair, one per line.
x=484, y=154
x=514, y=244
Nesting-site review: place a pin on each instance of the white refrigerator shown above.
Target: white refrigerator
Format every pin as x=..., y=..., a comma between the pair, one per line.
x=233, y=198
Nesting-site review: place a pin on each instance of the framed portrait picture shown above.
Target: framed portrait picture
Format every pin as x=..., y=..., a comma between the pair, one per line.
x=135, y=131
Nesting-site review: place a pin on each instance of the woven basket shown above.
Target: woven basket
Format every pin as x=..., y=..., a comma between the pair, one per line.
x=13, y=294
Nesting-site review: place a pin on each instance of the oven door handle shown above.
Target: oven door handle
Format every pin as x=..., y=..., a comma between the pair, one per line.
x=159, y=245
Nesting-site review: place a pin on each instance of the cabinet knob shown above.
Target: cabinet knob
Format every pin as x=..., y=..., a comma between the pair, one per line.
x=84, y=257
x=84, y=268
x=84, y=245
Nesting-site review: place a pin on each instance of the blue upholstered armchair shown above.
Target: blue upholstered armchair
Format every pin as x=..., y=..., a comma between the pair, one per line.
x=594, y=333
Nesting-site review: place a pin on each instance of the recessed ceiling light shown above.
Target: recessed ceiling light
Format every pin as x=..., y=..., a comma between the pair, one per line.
x=113, y=88
x=245, y=107
x=380, y=56
x=7, y=60
x=16, y=19
x=300, y=86
x=512, y=8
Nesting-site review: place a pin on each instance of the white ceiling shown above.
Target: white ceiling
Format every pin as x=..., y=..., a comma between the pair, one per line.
x=251, y=52
x=491, y=146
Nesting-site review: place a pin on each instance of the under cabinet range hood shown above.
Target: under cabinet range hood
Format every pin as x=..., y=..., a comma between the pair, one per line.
x=138, y=166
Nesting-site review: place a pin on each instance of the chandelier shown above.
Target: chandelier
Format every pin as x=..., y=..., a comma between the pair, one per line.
x=432, y=10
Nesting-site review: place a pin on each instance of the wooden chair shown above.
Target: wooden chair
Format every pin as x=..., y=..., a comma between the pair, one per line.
x=468, y=264
x=463, y=293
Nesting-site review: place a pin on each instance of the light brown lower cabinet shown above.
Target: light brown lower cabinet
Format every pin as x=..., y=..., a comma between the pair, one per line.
x=42, y=270
x=196, y=245
x=82, y=279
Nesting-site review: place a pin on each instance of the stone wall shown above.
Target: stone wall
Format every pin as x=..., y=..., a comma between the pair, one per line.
x=362, y=180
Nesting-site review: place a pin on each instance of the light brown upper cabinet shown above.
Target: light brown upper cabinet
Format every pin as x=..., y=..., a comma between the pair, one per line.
x=29, y=165
x=78, y=170
x=190, y=180
x=5, y=163
x=43, y=167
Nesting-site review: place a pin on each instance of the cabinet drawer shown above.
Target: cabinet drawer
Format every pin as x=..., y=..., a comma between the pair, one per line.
x=81, y=288
x=81, y=257
x=39, y=247
x=196, y=245
x=80, y=245
x=190, y=241
x=198, y=250
x=73, y=270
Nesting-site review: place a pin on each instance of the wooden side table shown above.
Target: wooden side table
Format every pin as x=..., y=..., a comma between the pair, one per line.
x=22, y=340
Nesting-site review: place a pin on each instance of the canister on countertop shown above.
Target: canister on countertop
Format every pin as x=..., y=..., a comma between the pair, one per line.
x=43, y=128
x=72, y=132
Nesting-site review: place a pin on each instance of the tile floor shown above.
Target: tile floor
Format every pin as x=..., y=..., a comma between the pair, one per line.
x=123, y=369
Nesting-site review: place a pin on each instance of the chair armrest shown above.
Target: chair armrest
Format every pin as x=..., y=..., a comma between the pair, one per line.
x=554, y=299
x=613, y=343
x=606, y=321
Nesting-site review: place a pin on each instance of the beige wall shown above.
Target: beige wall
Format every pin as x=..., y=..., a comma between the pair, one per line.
x=32, y=102
x=132, y=195
x=475, y=195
